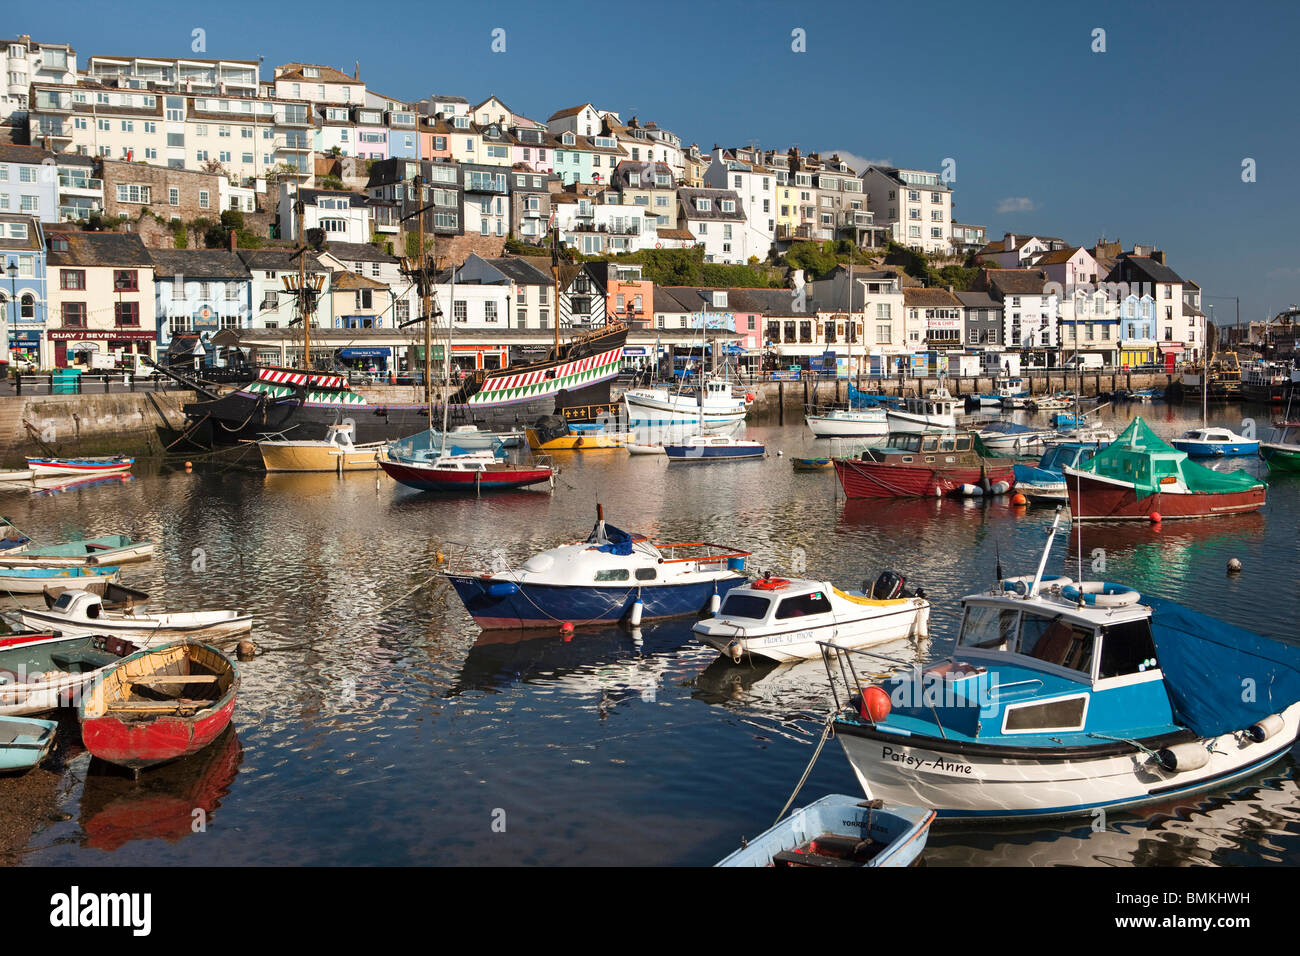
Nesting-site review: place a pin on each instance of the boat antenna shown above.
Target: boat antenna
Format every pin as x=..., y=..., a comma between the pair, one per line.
x=1047, y=549
x=997, y=549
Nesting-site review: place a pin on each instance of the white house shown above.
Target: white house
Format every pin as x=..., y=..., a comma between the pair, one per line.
x=741, y=172
x=716, y=218
x=915, y=206
x=344, y=216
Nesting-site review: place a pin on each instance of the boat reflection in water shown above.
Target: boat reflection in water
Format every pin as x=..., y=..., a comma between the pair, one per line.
x=602, y=666
x=117, y=809
x=1252, y=823
x=42, y=487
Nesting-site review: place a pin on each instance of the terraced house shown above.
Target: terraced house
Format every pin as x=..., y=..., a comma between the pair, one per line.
x=24, y=301
x=200, y=292
x=101, y=297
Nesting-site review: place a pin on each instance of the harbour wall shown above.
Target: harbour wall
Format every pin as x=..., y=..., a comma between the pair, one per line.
x=116, y=423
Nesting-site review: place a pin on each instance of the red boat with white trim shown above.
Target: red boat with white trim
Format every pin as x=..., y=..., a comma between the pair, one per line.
x=922, y=466
x=159, y=705
x=84, y=467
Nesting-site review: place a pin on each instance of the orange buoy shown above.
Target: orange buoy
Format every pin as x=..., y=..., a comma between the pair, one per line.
x=566, y=629
x=1019, y=500
x=1155, y=517
x=189, y=464
x=875, y=704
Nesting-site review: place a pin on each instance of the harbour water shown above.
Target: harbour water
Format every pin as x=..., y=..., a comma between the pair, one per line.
x=379, y=726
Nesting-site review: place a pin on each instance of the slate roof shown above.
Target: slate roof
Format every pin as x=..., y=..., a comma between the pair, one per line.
x=923, y=298
x=294, y=71
x=99, y=249
x=29, y=155
x=978, y=300
x=1017, y=281
x=276, y=260
x=522, y=270
x=32, y=242
x=358, y=252
x=198, y=264
x=1142, y=268
x=687, y=195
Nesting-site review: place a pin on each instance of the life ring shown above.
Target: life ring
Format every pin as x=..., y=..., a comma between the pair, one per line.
x=1101, y=594
x=659, y=245
x=770, y=584
x=1024, y=582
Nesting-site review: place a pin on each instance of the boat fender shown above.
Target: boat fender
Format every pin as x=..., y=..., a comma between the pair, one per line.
x=1101, y=594
x=921, y=623
x=638, y=608
x=1000, y=488
x=971, y=491
x=1270, y=726
x=1183, y=757
x=874, y=705
x=736, y=651
x=715, y=602
x=502, y=589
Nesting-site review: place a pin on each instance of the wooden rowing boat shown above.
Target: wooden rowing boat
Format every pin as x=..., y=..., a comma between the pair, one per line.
x=159, y=705
x=36, y=580
x=108, y=549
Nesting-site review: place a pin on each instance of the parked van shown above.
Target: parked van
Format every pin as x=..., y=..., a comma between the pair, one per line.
x=1084, y=360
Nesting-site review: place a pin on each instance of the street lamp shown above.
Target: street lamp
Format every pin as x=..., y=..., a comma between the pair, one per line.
x=12, y=269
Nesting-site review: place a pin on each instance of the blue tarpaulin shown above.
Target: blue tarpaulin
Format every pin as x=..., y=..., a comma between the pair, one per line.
x=1221, y=677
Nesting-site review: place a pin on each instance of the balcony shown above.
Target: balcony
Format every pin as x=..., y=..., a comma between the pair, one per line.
x=80, y=184
x=293, y=116
x=857, y=218
x=74, y=213
x=785, y=231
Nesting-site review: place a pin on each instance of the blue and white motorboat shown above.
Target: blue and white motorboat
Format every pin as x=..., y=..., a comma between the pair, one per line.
x=1009, y=438
x=1004, y=389
x=840, y=830
x=1065, y=698
x=1215, y=443
x=24, y=742
x=714, y=448
x=610, y=577
x=711, y=408
x=1046, y=480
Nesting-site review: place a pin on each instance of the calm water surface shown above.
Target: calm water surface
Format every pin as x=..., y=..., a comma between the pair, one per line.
x=378, y=726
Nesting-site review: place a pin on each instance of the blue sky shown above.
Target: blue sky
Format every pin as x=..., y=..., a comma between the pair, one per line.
x=1144, y=142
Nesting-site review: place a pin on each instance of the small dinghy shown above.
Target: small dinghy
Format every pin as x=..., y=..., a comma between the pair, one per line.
x=24, y=742
x=42, y=671
x=812, y=464
x=109, y=549
x=840, y=830
x=12, y=474
x=159, y=705
x=36, y=580
x=636, y=448
x=80, y=613
x=82, y=467
x=785, y=619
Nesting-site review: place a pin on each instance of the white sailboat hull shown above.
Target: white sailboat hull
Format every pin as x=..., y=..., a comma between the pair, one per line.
x=909, y=423
x=857, y=424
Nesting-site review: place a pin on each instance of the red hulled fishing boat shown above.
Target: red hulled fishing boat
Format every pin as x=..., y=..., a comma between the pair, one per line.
x=922, y=466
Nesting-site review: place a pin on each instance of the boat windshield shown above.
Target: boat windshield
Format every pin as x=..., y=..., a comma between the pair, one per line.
x=989, y=627
x=745, y=605
x=802, y=605
x=1127, y=648
x=1056, y=641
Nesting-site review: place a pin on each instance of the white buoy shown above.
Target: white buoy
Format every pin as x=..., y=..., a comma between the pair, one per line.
x=715, y=602
x=971, y=491
x=1234, y=565
x=1000, y=488
x=637, y=609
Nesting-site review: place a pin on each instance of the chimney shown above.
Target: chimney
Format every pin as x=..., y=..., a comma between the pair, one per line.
x=234, y=239
x=1009, y=241
x=1158, y=255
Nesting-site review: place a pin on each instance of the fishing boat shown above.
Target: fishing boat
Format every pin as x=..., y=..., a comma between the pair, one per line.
x=712, y=407
x=82, y=467
x=1009, y=438
x=82, y=614
x=846, y=422
x=159, y=705
x=555, y=434
x=610, y=577
x=24, y=742
x=41, y=671
x=1139, y=476
x=812, y=464
x=1215, y=443
x=108, y=549
x=1282, y=451
x=1004, y=390
x=921, y=466
x=1064, y=697
x=1083, y=435
x=36, y=580
x=1045, y=479
x=840, y=830
x=714, y=448
x=1051, y=403
x=937, y=412
x=1149, y=394
x=785, y=619
x=335, y=452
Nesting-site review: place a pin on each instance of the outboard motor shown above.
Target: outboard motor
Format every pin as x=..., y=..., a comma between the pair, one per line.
x=888, y=586
x=550, y=427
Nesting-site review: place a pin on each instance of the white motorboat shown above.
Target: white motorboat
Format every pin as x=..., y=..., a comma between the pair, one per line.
x=1009, y=438
x=848, y=422
x=637, y=448
x=36, y=580
x=82, y=614
x=785, y=619
x=716, y=410
x=937, y=412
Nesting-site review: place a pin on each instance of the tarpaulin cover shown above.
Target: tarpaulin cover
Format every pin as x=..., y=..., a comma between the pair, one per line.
x=1221, y=677
x=1140, y=457
x=613, y=540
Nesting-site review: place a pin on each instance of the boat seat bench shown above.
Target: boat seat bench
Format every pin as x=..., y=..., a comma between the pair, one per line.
x=87, y=659
x=154, y=706
x=790, y=858
x=176, y=679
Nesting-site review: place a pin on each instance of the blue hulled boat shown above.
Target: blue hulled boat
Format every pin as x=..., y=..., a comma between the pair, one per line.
x=840, y=830
x=611, y=577
x=714, y=448
x=24, y=742
x=1062, y=698
x=1215, y=443
x=1046, y=480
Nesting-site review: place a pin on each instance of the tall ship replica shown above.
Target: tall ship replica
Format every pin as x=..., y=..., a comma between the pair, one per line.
x=572, y=382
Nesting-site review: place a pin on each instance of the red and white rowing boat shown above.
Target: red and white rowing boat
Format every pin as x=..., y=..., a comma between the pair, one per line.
x=87, y=467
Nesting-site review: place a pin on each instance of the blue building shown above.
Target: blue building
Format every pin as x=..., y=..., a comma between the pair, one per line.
x=200, y=292
x=23, y=295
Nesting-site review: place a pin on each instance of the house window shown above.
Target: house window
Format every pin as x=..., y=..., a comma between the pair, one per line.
x=74, y=279
x=173, y=196
x=203, y=199
x=489, y=311
x=126, y=313
x=133, y=193
x=74, y=315
x=461, y=311
x=126, y=280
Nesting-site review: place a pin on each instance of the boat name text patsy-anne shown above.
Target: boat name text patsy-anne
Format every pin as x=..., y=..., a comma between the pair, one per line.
x=899, y=756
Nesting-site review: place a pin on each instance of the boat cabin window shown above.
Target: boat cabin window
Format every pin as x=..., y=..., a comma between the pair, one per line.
x=910, y=443
x=930, y=444
x=803, y=605
x=745, y=605
x=948, y=443
x=1064, y=714
x=1057, y=641
x=963, y=443
x=989, y=627
x=646, y=574
x=612, y=574
x=64, y=602
x=1126, y=648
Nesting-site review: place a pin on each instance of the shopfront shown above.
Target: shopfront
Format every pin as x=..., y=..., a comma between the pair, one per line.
x=73, y=346
x=368, y=358
x=1171, y=354
x=25, y=345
